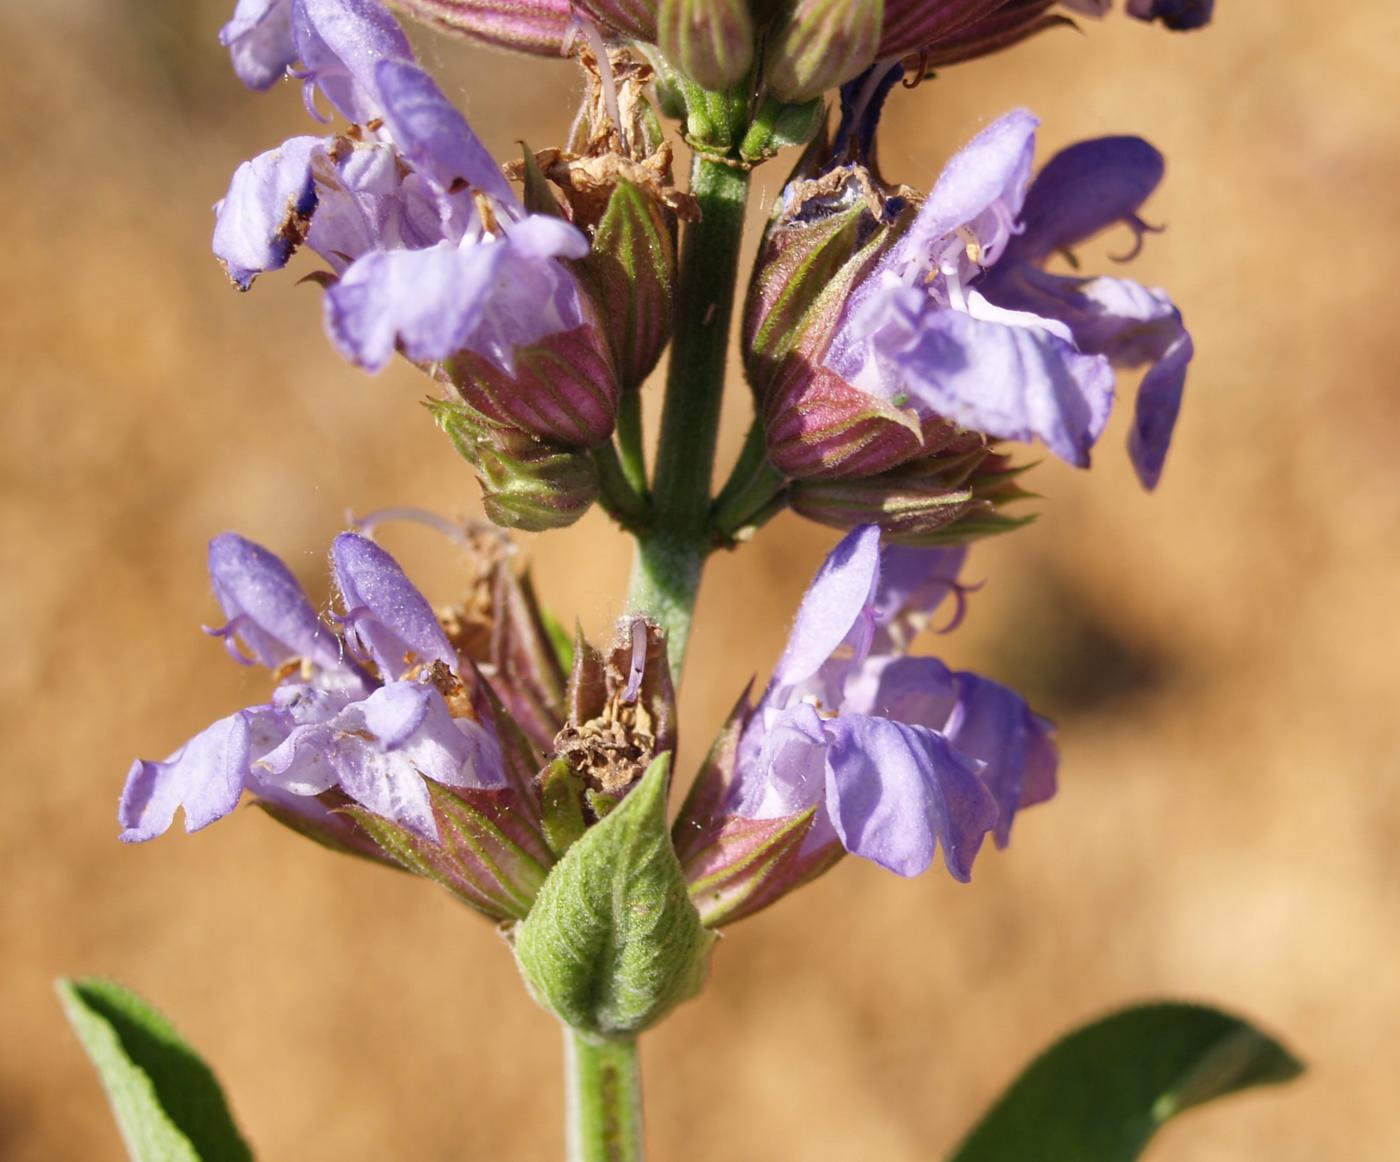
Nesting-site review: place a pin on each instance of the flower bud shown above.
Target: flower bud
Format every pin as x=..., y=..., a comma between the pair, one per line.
x=526, y=483
x=709, y=41
x=821, y=44
x=540, y=27
x=633, y=19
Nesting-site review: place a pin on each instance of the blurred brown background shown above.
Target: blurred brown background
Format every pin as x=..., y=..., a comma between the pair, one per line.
x=1220, y=656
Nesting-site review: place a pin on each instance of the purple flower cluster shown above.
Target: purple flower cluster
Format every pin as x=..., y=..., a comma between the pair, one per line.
x=955, y=321
x=857, y=746
x=369, y=711
x=431, y=251
x=959, y=318
x=897, y=754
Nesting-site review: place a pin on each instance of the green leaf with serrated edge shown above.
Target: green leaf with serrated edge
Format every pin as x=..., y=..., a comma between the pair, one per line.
x=613, y=942
x=1101, y=1093
x=167, y=1103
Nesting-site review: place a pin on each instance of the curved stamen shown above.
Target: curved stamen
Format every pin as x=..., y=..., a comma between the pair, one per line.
x=229, y=635
x=1140, y=230
x=960, y=592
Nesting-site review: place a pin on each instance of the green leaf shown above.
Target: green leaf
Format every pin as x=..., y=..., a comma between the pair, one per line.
x=167, y=1102
x=1101, y=1093
x=613, y=942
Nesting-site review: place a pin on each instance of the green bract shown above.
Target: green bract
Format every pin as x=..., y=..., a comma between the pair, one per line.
x=613, y=942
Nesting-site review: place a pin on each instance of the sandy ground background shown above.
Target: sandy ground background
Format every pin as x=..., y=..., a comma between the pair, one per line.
x=1220, y=656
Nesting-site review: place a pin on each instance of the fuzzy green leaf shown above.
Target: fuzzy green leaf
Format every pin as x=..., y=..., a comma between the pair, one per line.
x=1101, y=1093
x=168, y=1104
x=613, y=942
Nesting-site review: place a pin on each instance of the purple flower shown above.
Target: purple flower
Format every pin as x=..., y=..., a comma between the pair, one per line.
x=259, y=41
x=895, y=755
x=1178, y=15
x=955, y=319
x=1080, y=192
x=371, y=716
x=431, y=251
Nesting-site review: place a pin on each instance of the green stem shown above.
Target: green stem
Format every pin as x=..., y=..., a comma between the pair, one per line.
x=617, y=493
x=754, y=488
x=671, y=552
x=604, y=1092
x=629, y=440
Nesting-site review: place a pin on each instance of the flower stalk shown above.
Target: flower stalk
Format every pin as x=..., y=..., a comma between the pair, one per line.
x=671, y=553
x=603, y=1080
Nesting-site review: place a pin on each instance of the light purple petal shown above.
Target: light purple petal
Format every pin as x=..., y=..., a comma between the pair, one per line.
x=914, y=583
x=266, y=606
x=1158, y=404
x=782, y=768
x=1042, y=765
x=992, y=724
x=303, y=762
x=381, y=749
x=1130, y=325
x=1011, y=375
x=259, y=41
x=991, y=171
x=434, y=136
x=205, y=777
x=388, y=784
x=387, y=616
x=361, y=201
x=838, y=600
x=266, y=213
x=895, y=792
x=919, y=691
x=425, y=301
x=530, y=299
x=340, y=42
x=411, y=720
x=543, y=236
x=1084, y=190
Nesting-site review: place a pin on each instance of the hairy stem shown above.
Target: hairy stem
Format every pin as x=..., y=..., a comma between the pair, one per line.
x=629, y=440
x=671, y=552
x=604, y=1107
x=754, y=492
x=617, y=493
